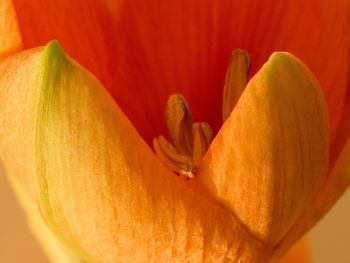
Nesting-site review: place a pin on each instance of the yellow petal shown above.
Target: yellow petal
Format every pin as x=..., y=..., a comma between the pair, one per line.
x=271, y=153
x=10, y=36
x=98, y=185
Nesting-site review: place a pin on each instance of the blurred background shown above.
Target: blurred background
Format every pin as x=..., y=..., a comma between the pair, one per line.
x=330, y=239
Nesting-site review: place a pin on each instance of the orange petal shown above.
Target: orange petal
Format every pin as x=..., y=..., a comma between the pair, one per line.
x=272, y=152
x=154, y=49
x=333, y=187
x=331, y=190
x=299, y=253
x=10, y=38
x=85, y=28
x=337, y=182
x=98, y=185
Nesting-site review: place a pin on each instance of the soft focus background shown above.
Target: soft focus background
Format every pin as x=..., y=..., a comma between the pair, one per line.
x=330, y=239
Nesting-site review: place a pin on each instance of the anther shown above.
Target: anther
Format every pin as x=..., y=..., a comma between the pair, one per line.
x=201, y=140
x=179, y=121
x=189, y=141
x=236, y=80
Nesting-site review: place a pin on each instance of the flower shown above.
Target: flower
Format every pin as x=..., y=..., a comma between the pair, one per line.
x=98, y=185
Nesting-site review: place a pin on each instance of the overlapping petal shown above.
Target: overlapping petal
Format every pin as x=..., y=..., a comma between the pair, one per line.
x=144, y=50
x=272, y=152
x=97, y=184
x=336, y=183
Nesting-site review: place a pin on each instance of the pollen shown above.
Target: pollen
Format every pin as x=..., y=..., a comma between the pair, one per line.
x=190, y=140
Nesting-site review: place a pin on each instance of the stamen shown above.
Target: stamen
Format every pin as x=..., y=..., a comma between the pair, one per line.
x=179, y=121
x=180, y=164
x=159, y=151
x=182, y=161
x=189, y=141
x=236, y=80
x=207, y=132
x=201, y=140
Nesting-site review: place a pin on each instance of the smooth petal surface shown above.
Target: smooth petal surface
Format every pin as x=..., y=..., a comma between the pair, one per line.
x=14, y=102
x=337, y=182
x=145, y=50
x=272, y=152
x=10, y=37
x=97, y=184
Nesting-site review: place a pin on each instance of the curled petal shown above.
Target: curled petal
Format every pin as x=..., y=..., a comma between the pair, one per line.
x=272, y=152
x=98, y=185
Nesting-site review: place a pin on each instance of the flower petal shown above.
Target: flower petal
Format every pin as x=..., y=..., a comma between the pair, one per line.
x=10, y=37
x=152, y=49
x=85, y=28
x=185, y=46
x=98, y=185
x=272, y=152
x=337, y=182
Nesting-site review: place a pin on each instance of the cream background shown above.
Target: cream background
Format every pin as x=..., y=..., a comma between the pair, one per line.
x=330, y=239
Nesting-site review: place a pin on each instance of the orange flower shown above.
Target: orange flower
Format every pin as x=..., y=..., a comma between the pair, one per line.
x=265, y=179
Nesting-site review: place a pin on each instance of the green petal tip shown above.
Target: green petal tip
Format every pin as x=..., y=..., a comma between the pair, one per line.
x=53, y=55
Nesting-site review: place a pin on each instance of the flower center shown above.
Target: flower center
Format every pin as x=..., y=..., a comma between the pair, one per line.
x=190, y=140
